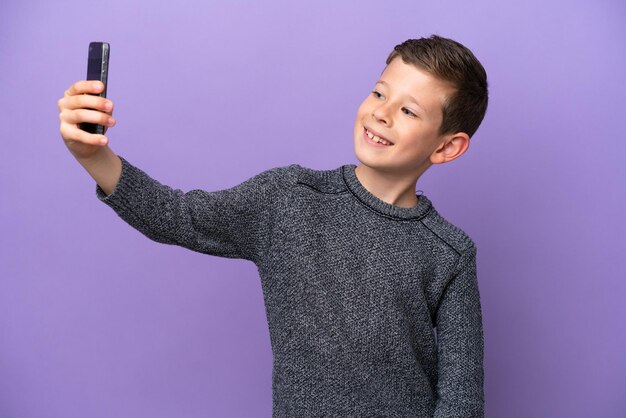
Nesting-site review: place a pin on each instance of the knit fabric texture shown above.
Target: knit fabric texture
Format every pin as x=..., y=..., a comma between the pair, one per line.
x=373, y=309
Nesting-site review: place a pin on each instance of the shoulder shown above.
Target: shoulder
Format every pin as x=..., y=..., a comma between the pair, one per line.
x=450, y=234
x=278, y=176
x=296, y=175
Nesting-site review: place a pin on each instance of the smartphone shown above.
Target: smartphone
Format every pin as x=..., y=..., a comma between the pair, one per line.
x=97, y=69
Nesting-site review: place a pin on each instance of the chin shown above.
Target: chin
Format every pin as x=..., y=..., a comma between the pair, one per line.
x=368, y=158
x=370, y=161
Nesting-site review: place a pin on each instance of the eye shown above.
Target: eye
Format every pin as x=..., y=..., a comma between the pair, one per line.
x=377, y=94
x=408, y=112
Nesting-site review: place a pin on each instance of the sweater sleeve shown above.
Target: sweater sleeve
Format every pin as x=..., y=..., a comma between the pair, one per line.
x=232, y=223
x=460, y=344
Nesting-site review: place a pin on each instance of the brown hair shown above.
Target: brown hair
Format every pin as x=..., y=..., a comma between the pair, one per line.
x=449, y=61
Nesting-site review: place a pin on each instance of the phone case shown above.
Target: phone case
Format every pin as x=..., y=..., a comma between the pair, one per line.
x=97, y=69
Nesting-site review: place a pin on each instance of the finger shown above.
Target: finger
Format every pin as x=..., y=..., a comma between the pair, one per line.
x=85, y=87
x=86, y=115
x=73, y=133
x=86, y=101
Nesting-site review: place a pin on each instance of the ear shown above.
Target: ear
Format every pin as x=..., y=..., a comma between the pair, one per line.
x=451, y=147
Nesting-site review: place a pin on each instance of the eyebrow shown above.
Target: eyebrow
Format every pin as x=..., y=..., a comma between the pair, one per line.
x=413, y=99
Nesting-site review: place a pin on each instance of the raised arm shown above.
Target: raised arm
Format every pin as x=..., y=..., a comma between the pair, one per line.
x=232, y=223
x=460, y=388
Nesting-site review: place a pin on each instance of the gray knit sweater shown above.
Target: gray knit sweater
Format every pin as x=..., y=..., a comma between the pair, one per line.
x=353, y=287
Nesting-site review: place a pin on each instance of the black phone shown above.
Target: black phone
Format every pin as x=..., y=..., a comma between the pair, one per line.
x=97, y=69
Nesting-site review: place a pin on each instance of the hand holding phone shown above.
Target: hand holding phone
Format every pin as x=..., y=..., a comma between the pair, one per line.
x=84, y=111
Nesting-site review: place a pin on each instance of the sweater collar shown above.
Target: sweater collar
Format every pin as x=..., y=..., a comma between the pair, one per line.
x=364, y=196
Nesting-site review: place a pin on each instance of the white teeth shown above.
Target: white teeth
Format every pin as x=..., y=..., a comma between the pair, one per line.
x=376, y=138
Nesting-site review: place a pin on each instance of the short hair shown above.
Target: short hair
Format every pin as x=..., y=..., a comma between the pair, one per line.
x=451, y=62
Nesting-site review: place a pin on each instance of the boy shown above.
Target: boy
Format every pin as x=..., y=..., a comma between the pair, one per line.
x=356, y=269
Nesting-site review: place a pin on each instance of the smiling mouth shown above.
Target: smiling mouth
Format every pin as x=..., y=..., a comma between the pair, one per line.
x=377, y=138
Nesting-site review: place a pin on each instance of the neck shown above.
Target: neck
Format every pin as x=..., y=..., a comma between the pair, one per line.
x=394, y=188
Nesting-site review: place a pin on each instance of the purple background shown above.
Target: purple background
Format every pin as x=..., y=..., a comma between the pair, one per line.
x=98, y=321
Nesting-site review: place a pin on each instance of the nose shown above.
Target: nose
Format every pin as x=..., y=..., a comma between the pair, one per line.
x=382, y=114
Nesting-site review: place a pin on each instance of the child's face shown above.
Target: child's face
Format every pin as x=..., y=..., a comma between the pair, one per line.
x=392, y=112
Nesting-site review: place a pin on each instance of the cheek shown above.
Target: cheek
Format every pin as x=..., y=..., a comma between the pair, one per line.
x=358, y=121
x=363, y=109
